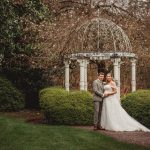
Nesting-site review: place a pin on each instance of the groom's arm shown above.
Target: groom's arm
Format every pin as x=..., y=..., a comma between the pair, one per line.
x=95, y=89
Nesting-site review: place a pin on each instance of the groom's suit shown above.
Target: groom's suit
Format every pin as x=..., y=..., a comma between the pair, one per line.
x=98, y=89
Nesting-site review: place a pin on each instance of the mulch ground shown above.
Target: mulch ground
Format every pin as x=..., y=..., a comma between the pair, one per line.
x=33, y=116
x=139, y=138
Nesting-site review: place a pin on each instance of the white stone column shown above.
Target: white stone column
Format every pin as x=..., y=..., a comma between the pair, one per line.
x=116, y=63
x=119, y=65
x=116, y=69
x=86, y=62
x=82, y=73
x=133, y=77
x=67, y=75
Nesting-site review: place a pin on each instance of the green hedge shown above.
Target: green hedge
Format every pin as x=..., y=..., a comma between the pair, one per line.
x=10, y=98
x=137, y=104
x=62, y=107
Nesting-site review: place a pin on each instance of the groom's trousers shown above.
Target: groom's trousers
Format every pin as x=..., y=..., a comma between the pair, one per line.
x=97, y=113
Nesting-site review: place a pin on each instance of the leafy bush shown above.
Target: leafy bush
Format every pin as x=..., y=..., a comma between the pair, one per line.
x=10, y=98
x=137, y=104
x=14, y=18
x=62, y=107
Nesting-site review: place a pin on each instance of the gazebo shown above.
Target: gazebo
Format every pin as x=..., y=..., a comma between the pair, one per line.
x=99, y=39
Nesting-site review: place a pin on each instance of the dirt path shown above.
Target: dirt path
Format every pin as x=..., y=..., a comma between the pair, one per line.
x=140, y=138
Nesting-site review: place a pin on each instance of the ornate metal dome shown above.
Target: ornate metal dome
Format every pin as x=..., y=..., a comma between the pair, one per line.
x=99, y=35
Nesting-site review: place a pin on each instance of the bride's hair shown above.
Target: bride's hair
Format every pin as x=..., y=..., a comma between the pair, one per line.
x=110, y=75
x=112, y=78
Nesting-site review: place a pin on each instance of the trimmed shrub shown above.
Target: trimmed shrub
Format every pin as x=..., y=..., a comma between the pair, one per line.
x=10, y=98
x=62, y=107
x=137, y=104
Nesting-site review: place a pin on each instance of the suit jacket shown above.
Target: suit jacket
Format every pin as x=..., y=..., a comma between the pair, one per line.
x=98, y=89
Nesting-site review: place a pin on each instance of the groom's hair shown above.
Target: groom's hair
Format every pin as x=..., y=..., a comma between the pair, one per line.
x=100, y=73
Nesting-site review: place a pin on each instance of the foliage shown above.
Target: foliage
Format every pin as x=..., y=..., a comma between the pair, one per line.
x=9, y=28
x=43, y=29
x=19, y=27
x=62, y=107
x=27, y=79
x=13, y=22
x=10, y=98
x=137, y=104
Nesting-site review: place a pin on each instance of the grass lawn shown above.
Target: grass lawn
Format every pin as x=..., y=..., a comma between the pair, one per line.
x=15, y=134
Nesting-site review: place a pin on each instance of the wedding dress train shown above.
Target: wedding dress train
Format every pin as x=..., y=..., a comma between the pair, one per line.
x=115, y=118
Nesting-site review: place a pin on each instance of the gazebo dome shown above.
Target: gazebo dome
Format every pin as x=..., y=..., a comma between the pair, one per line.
x=99, y=35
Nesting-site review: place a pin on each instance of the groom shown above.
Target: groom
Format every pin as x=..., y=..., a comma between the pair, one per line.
x=98, y=89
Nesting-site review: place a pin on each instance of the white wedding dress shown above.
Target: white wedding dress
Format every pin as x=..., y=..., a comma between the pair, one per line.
x=115, y=118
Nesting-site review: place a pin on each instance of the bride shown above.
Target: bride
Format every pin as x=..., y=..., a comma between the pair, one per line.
x=114, y=117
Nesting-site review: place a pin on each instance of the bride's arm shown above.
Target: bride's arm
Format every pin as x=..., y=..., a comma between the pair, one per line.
x=114, y=89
